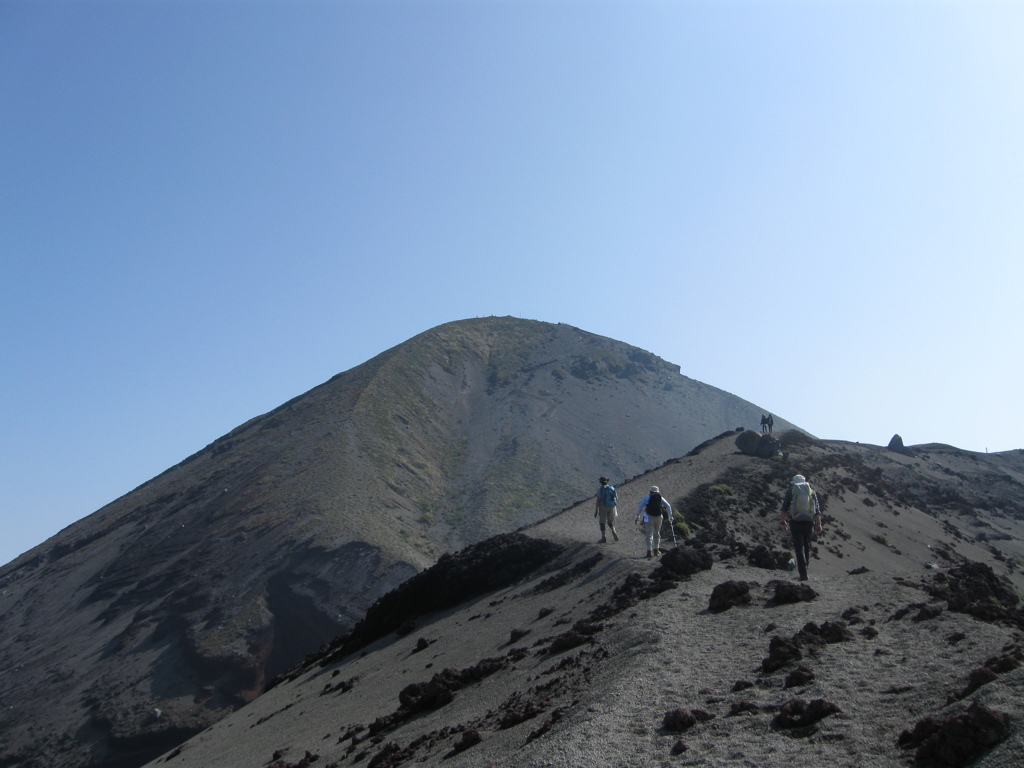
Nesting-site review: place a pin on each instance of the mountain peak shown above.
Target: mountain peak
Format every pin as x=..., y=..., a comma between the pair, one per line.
x=226, y=569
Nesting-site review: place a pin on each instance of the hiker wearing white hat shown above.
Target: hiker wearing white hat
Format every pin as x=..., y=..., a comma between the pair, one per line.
x=653, y=507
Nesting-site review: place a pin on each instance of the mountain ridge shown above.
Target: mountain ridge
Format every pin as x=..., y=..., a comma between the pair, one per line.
x=601, y=657
x=189, y=593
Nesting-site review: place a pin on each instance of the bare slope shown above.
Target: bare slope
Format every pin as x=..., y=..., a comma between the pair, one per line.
x=580, y=661
x=189, y=593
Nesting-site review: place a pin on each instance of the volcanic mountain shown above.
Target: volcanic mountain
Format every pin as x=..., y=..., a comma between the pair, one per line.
x=541, y=649
x=188, y=594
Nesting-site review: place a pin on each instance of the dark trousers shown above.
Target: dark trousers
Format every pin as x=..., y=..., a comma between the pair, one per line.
x=801, y=530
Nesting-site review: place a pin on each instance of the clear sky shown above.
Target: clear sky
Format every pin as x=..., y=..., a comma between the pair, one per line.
x=208, y=208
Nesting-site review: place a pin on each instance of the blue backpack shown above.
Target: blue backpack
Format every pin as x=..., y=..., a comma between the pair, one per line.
x=607, y=496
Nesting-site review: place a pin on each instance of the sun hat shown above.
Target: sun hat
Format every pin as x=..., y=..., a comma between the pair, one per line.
x=654, y=489
x=797, y=479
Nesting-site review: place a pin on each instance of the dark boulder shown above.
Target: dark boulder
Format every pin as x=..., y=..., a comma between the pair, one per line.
x=797, y=713
x=769, y=559
x=802, y=675
x=792, y=592
x=760, y=444
x=747, y=441
x=768, y=446
x=729, y=594
x=679, y=720
x=956, y=741
x=683, y=561
x=896, y=445
x=781, y=651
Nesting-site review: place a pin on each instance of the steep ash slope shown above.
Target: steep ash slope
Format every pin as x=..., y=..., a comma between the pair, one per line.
x=602, y=658
x=189, y=593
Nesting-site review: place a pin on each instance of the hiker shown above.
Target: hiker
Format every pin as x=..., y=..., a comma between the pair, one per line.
x=771, y=423
x=653, y=507
x=800, y=514
x=605, y=509
x=764, y=423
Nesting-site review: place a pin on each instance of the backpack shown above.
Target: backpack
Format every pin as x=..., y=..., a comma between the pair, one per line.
x=607, y=496
x=803, y=506
x=653, y=507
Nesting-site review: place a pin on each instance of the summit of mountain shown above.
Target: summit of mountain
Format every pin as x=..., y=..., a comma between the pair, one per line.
x=189, y=593
x=544, y=649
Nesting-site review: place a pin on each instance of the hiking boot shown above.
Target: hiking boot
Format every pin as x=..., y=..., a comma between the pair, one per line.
x=803, y=577
x=615, y=534
x=603, y=540
x=649, y=555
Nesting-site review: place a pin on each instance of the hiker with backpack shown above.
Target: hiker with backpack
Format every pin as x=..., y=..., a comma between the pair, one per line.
x=801, y=515
x=605, y=509
x=653, y=508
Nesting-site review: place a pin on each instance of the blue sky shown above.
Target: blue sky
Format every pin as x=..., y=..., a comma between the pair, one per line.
x=208, y=208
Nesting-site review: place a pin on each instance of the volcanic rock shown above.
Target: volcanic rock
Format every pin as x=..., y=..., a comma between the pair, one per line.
x=797, y=713
x=958, y=740
x=729, y=594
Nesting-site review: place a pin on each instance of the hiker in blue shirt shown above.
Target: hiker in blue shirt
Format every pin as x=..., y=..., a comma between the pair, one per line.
x=800, y=515
x=653, y=508
x=605, y=509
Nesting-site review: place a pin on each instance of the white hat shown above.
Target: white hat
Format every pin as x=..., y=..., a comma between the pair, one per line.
x=654, y=489
x=797, y=479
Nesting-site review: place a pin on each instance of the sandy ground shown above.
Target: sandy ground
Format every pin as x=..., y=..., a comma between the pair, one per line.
x=665, y=653
x=602, y=703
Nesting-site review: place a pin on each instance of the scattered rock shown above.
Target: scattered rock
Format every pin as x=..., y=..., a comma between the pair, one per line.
x=454, y=579
x=835, y=632
x=896, y=445
x=729, y=594
x=679, y=747
x=859, y=571
x=988, y=672
x=517, y=635
x=769, y=559
x=781, y=651
x=747, y=441
x=679, y=720
x=741, y=685
x=683, y=561
x=928, y=612
x=792, y=592
x=514, y=717
x=956, y=741
x=851, y=615
x=800, y=676
x=797, y=713
x=975, y=589
x=387, y=757
x=470, y=738
x=632, y=590
x=742, y=708
x=567, y=641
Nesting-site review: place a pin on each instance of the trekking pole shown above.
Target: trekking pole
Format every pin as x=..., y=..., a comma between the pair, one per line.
x=672, y=527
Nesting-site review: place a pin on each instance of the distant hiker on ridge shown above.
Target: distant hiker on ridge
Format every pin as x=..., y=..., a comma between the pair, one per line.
x=604, y=508
x=771, y=423
x=653, y=507
x=801, y=508
x=764, y=423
